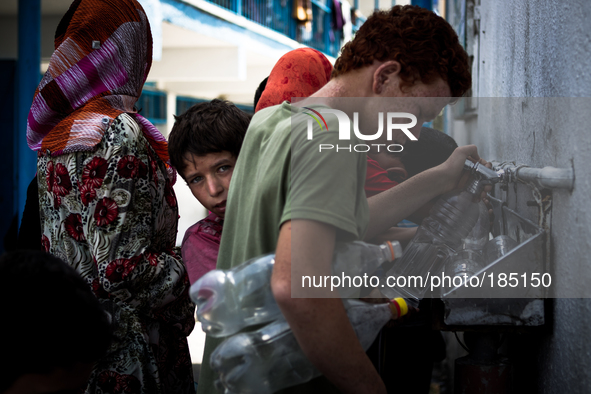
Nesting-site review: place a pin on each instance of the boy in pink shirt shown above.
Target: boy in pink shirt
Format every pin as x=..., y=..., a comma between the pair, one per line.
x=203, y=147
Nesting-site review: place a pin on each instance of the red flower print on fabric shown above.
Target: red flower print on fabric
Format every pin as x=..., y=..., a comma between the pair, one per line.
x=130, y=384
x=94, y=172
x=108, y=381
x=50, y=176
x=73, y=224
x=98, y=289
x=169, y=194
x=119, y=269
x=130, y=167
x=152, y=258
x=62, y=184
x=105, y=212
x=45, y=243
x=87, y=193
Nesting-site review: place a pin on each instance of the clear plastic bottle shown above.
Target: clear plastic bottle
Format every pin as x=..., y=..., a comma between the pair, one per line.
x=356, y=258
x=480, y=233
x=464, y=264
x=228, y=301
x=269, y=359
x=440, y=235
x=498, y=247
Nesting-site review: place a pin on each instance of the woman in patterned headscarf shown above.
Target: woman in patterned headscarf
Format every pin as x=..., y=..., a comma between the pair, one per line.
x=105, y=193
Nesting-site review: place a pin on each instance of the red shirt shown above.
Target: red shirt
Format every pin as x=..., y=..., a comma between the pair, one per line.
x=376, y=179
x=200, y=247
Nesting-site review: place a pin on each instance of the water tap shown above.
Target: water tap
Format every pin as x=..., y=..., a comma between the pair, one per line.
x=483, y=174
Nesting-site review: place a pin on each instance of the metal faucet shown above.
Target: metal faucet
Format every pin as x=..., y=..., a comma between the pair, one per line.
x=482, y=176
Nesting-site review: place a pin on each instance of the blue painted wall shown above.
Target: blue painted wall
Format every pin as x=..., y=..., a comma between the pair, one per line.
x=28, y=77
x=18, y=81
x=7, y=115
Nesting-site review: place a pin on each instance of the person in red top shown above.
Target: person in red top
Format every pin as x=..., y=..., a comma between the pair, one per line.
x=384, y=171
x=299, y=73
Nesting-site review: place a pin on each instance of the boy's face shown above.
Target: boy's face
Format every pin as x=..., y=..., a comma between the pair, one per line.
x=208, y=177
x=424, y=100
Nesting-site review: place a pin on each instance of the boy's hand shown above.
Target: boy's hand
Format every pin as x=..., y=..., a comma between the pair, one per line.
x=452, y=168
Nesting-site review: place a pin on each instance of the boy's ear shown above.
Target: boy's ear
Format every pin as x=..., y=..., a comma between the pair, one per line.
x=386, y=75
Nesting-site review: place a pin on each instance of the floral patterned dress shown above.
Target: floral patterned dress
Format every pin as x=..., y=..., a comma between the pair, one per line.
x=112, y=214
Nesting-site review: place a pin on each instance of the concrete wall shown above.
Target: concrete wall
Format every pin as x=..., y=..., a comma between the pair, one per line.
x=541, y=49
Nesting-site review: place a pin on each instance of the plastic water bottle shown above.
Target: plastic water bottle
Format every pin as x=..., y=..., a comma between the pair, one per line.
x=356, y=258
x=270, y=359
x=462, y=266
x=440, y=235
x=480, y=233
x=498, y=247
x=467, y=262
x=227, y=301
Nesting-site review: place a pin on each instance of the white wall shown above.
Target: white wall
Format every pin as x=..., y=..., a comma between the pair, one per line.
x=190, y=210
x=535, y=48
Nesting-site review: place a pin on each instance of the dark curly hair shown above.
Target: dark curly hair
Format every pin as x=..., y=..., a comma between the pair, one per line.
x=424, y=44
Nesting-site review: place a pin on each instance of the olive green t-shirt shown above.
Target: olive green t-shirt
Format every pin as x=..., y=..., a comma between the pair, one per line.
x=282, y=175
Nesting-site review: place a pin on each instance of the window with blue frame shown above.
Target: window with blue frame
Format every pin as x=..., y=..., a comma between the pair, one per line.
x=152, y=105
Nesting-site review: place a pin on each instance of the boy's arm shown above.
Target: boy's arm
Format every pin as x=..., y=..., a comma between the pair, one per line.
x=320, y=325
x=393, y=205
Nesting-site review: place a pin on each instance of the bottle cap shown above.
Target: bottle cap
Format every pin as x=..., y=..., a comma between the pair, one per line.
x=395, y=249
x=391, y=249
x=399, y=306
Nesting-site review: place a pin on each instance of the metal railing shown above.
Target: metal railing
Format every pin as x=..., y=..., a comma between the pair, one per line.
x=277, y=15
